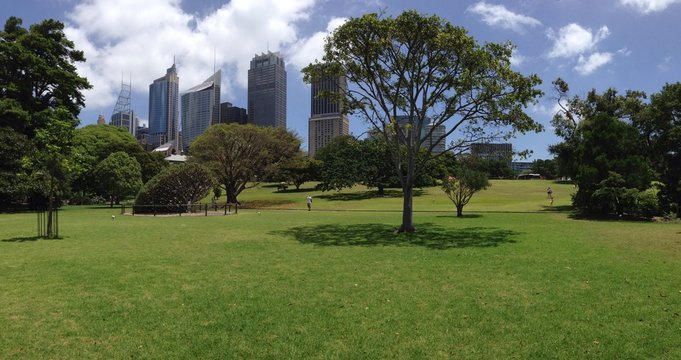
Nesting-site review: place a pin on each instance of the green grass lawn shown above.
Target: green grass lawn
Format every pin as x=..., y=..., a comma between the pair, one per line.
x=512, y=279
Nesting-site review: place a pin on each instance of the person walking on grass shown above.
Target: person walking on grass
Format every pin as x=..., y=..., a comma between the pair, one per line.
x=549, y=193
x=308, y=200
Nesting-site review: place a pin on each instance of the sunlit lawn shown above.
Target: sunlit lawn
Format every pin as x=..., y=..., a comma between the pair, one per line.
x=510, y=280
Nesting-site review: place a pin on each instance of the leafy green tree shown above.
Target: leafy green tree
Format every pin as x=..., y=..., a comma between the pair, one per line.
x=498, y=169
x=94, y=143
x=173, y=188
x=118, y=176
x=546, y=168
x=340, y=165
x=431, y=72
x=298, y=170
x=461, y=187
x=241, y=155
x=40, y=98
x=660, y=126
x=609, y=148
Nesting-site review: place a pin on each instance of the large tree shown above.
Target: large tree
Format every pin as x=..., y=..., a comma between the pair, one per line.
x=118, y=176
x=241, y=155
x=660, y=125
x=94, y=143
x=428, y=72
x=40, y=99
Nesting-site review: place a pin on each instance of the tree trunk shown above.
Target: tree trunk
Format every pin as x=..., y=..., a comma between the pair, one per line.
x=48, y=232
x=459, y=211
x=407, y=211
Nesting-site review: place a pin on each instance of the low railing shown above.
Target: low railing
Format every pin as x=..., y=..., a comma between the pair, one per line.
x=180, y=209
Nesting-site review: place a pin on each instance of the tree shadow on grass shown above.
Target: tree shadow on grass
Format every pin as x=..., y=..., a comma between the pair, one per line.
x=558, y=208
x=365, y=195
x=22, y=239
x=427, y=235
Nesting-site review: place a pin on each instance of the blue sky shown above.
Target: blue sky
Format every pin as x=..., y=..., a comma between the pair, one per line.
x=625, y=44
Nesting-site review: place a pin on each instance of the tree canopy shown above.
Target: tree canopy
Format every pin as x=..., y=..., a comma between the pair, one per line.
x=118, y=176
x=241, y=155
x=413, y=73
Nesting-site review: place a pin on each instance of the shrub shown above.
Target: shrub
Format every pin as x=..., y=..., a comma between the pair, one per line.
x=174, y=188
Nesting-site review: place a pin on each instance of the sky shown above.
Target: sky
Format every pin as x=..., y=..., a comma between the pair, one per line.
x=621, y=44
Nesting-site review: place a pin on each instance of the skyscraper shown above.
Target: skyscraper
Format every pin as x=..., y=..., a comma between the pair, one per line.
x=232, y=114
x=122, y=113
x=267, y=90
x=200, y=109
x=326, y=118
x=164, y=112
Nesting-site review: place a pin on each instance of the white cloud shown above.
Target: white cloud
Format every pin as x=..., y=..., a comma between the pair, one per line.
x=649, y=6
x=665, y=65
x=573, y=40
x=307, y=50
x=144, y=42
x=517, y=59
x=587, y=65
x=624, y=51
x=500, y=16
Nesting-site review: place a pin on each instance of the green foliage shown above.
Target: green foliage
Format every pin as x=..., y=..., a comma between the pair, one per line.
x=660, y=126
x=241, y=155
x=467, y=181
x=432, y=72
x=39, y=70
x=118, y=176
x=546, y=168
x=297, y=170
x=497, y=169
x=174, y=188
x=608, y=146
x=40, y=98
x=341, y=165
x=94, y=143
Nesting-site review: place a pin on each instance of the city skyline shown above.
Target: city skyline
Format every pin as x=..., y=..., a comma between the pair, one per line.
x=625, y=44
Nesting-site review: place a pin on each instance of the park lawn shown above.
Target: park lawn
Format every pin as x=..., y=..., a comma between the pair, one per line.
x=501, y=196
x=340, y=284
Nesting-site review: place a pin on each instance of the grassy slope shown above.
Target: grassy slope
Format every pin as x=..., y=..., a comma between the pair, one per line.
x=294, y=284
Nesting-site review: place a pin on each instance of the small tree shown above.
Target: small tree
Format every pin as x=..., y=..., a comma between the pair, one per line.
x=461, y=188
x=118, y=176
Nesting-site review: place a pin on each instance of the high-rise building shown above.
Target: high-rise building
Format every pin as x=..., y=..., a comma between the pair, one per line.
x=267, y=90
x=164, y=112
x=122, y=114
x=200, y=109
x=101, y=120
x=326, y=117
x=435, y=136
x=232, y=114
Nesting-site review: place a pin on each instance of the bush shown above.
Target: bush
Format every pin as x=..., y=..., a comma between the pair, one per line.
x=174, y=188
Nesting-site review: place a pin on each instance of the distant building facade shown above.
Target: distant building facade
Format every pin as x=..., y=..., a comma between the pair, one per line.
x=520, y=167
x=164, y=111
x=326, y=116
x=490, y=151
x=232, y=114
x=267, y=90
x=436, y=136
x=200, y=109
x=101, y=120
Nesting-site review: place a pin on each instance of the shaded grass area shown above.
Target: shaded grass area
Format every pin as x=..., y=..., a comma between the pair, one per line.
x=429, y=235
x=298, y=284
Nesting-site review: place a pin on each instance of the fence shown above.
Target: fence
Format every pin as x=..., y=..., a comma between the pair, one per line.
x=48, y=221
x=180, y=209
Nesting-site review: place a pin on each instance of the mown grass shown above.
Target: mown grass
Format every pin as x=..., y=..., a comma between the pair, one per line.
x=506, y=281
